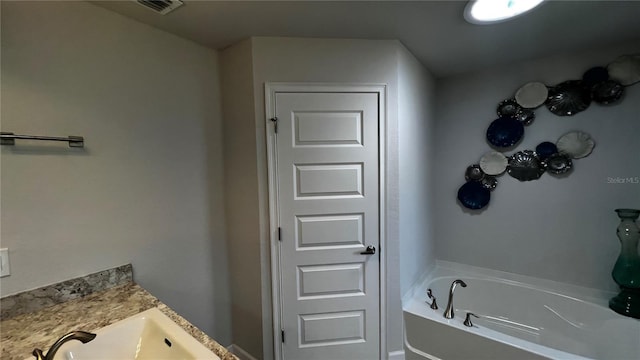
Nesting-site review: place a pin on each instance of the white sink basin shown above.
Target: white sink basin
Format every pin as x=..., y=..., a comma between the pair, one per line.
x=147, y=335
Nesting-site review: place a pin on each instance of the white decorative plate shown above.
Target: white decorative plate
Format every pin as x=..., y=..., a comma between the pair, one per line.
x=625, y=69
x=531, y=95
x=576, y=144
x=493, y=163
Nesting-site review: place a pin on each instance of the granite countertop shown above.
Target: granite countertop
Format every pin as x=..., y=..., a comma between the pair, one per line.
x=41, y=328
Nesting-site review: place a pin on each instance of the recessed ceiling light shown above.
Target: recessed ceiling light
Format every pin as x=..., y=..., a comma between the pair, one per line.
x=493, y=11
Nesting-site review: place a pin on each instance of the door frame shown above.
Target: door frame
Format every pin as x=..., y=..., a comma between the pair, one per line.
x=271, y=89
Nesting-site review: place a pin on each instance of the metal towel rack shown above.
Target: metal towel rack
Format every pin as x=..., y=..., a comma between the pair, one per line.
x=9, y=138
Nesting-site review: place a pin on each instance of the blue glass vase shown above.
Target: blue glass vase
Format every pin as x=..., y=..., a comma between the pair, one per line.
x=626, y=271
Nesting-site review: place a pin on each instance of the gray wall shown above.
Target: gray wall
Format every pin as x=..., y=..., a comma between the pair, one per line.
x=554, y=228
x=416, y=149
x=241, y=186
x=310, y=60
x=148, y=187
x=337, y=61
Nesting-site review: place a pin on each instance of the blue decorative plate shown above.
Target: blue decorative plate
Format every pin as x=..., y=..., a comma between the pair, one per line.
x=546, y=149
x=473, y=195
x=595, y=75
x=505, y=132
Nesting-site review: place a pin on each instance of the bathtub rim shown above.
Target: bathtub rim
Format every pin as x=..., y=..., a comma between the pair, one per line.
x=443, y=268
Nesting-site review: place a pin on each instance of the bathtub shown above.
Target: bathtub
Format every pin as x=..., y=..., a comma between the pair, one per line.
x=520, y=318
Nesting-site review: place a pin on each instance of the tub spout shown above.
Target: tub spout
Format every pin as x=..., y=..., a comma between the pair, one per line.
x=448, y=312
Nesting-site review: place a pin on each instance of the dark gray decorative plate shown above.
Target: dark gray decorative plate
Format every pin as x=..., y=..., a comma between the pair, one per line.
x=489, y=182
x=508, y=107
x=474, y=172
x=558, y=164
x=525, y=166
x=568, y=98
x=525, y=116
x=607, y=92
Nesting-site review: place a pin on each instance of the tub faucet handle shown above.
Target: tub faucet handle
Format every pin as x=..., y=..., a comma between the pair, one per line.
x=433, y=304
x=467, y=320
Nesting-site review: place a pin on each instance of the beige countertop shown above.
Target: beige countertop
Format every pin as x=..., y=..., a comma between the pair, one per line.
x=22, y=333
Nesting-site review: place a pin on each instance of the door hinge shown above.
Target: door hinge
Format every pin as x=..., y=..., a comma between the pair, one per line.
x=282, y=333
x=275, y=124
x=279, y=234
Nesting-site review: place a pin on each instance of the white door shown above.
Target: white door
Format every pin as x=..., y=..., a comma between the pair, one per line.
x=327, y=169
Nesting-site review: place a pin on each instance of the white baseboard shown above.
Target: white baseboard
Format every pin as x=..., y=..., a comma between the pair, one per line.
x=396, y=355
x=240, y=352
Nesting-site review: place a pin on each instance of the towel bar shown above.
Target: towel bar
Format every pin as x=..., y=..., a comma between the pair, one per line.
x=8, y=138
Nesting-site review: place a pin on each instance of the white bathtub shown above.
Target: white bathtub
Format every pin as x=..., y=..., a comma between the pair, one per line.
x=521, y=318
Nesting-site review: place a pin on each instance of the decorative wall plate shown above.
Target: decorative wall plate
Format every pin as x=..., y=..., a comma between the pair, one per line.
x=546, y=149
x=493, y=163
x=595, y=75
x=474, y=172
x=603, y=85
x=532, y=95
x=575, y=144
x=525, y=166
x=473, y=195
x=525, y=116
x=489, y=182
x=508, y=107
x=625, y=69
x=558, y=164
x=607, y=92
x=505, y=132
x=569, y=98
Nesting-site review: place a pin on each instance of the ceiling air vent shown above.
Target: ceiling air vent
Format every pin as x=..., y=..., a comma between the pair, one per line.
x=162, y=7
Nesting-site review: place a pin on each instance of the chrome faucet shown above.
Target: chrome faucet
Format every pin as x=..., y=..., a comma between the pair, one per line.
x=448, y=312
x=82, y=336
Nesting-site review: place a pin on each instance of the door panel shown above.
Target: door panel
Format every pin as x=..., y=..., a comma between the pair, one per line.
x=317, y=281
x=327, y=128
x=329, y=181
x=327, y=329
x=336, y=231
x=328, y=199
